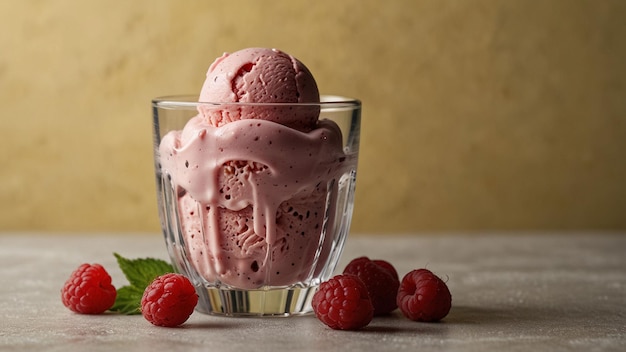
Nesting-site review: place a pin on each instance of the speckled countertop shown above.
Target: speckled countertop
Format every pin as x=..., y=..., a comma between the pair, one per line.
x=511, y=292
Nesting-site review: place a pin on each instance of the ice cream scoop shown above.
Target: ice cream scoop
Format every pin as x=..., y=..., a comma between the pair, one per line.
x=260, y=75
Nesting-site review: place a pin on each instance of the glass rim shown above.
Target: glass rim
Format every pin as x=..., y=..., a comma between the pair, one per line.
x=191, y=101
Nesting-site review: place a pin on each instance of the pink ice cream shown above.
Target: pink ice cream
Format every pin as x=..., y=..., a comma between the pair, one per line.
x=259, y=75
x=253, y=181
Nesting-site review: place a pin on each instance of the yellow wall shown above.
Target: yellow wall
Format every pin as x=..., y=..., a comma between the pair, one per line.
x=482, y=114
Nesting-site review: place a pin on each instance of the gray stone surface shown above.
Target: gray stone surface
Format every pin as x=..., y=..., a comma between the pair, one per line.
x=511, y=292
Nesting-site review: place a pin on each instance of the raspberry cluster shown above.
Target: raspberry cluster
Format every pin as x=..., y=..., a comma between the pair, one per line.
x=369, y=288
x=168, y=300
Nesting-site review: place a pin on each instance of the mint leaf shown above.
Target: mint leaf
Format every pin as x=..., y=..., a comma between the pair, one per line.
x=128, y=300
x=139, y=273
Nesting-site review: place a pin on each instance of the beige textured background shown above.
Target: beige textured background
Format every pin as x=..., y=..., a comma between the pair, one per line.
x=478, y=115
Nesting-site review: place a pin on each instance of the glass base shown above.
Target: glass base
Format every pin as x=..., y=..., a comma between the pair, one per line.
x=279, y=302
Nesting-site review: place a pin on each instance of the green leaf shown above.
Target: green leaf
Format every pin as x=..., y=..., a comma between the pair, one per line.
x=140, y=273
x=128, y=300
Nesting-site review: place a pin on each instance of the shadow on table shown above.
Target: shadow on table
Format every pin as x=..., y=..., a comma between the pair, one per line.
x=519, y=314
x=467, y=315
x=213, y=325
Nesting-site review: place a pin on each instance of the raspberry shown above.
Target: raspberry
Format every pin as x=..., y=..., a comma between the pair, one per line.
x=169, y=300
x=381, y=280
x=387, y=266
x=89, y=290
x=343, y=303
x=423, y=296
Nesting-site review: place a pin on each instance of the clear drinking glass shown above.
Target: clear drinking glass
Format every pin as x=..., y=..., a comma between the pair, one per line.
x=255, y=213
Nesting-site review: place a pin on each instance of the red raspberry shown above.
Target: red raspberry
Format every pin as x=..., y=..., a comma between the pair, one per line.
x=89, y=290
x=381, y=280
x=343, y=303
x=169, y=300
x=387, y=266
x=423, y=296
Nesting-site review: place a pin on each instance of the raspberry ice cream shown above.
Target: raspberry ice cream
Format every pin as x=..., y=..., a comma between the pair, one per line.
x=259, y=75
x=256, y=178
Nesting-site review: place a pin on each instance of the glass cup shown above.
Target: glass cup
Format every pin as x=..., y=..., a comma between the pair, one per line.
x=255, y=200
